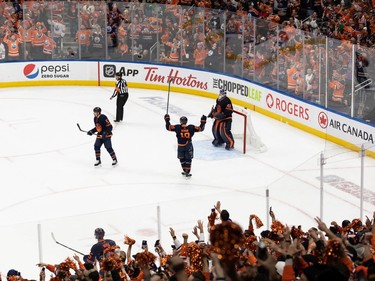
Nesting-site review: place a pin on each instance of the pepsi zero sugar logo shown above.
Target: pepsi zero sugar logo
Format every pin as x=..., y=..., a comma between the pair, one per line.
x=109, y=70
x=31, y=71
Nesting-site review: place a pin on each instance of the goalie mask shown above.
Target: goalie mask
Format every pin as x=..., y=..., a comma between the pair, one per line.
x=222, y=94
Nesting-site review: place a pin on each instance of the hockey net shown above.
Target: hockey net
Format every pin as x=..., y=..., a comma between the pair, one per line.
x=244, y=133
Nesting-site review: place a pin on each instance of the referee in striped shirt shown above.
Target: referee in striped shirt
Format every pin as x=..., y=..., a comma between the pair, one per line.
x=121, y=92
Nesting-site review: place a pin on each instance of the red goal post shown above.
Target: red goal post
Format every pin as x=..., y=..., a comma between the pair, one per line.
x=243, y=131
x=236, y=134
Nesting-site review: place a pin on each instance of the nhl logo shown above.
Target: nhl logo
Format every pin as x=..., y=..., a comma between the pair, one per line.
x=109, y=70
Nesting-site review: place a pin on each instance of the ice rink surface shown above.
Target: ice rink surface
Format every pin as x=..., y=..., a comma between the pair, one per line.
x=49, y=184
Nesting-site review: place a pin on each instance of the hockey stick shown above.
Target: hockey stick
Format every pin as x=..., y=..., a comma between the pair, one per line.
x=169, y=90
x=53, y=237
x=79, y=127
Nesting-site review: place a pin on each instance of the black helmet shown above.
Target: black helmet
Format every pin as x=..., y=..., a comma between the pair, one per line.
x=97, y=110
x=99, y=233
x=183, y=120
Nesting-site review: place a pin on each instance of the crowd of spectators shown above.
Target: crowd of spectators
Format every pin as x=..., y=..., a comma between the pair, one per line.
x=274, y=42
x=220, y=249
x=280, y=43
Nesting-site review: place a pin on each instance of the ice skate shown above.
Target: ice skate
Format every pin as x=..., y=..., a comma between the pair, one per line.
x=98, y=163
x=216, y=143
x=228, y=147
x=114, y=162
x=186, y=174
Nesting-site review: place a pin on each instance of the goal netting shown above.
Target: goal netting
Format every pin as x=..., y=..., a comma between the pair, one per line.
x=244, y=133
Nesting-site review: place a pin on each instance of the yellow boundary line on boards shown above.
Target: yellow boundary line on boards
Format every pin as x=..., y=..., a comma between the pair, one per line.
x=195, y=93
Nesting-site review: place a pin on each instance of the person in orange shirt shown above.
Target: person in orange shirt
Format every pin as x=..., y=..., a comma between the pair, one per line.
x=37, y=40
x=82, y=37
x=48, y=47
x=292, y=78
x=174, y=54
x=13, y=43
x=338, y=87
x=200, y=55
x=122, y=49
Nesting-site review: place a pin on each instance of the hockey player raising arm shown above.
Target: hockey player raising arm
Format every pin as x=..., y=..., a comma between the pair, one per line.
x=184, y=134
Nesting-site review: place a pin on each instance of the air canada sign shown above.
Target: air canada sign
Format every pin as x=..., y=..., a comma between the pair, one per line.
x=325, y=122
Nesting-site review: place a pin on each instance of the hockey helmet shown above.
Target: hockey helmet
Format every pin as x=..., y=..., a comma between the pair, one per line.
x=99, y=233
x=13, y=272
x=97, y=110
x=183, y=120
x=222, y=94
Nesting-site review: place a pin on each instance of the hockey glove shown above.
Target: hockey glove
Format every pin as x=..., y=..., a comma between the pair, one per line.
x=203, y=118
x=90, y=133
x=166, y=117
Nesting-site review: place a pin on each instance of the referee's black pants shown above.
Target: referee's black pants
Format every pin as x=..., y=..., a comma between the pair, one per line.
x=121, y=100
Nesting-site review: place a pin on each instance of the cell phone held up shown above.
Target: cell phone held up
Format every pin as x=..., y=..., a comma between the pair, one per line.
x=144, y=244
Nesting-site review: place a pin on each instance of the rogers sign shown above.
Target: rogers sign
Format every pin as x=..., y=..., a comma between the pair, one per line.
x=287, y=107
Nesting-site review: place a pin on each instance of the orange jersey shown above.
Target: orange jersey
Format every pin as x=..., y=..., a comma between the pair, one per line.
x=174, y=55
x=83, y=37
x=338, y=90
x=123, y=49
x=199, y=56
x=13, y=47
x=292, y=80
x=28, y=34
x=49, y=45
x=38, y=39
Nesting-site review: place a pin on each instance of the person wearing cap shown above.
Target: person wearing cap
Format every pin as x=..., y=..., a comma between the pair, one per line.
x=122, y=94
x=184, y=134
x=222, y=126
